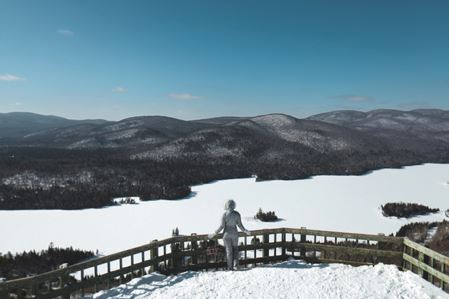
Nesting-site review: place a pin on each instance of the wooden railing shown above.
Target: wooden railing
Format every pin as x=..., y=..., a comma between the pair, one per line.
x=197, y=252
x=430, y=265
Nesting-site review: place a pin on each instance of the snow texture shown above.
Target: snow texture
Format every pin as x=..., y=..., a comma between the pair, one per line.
x=291, y=279
x=30, y=180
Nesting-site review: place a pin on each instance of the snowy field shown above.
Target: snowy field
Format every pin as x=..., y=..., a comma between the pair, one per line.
x=340, y=203
x=292, y=279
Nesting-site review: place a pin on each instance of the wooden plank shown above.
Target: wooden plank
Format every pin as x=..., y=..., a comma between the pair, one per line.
x=426, y=268
x=396, y=240
x=427, y=251
x=361, y=251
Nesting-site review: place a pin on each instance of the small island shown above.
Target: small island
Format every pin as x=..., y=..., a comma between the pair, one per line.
x=269, y=216
x=406, y=210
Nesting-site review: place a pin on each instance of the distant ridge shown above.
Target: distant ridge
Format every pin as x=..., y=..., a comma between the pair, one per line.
x=270, y=135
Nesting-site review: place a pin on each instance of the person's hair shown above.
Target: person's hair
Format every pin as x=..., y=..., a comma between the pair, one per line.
x=230, y=205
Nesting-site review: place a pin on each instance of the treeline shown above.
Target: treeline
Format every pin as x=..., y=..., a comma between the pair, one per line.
x=406, y=210
x=420, y=232
x=114, y=174
x=32, y=262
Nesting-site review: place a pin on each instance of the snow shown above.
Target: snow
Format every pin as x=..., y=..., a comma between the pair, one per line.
x=30, y=180
x=126, y=200
x=430, y=233
x=291, y=279
x=124, y=134
x=338, y=203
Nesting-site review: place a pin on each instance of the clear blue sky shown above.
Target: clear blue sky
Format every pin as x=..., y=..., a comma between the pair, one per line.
x=201, y=58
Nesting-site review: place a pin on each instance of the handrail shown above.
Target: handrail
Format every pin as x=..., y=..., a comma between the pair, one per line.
x=438, y=256
x=171, y=256
x=429, y=264
x=155, y=243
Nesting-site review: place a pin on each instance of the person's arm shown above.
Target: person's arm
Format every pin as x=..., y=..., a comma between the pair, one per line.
x=240, y=224
x=222, y=225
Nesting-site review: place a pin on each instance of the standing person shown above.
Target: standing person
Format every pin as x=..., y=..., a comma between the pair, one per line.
x=229, y=222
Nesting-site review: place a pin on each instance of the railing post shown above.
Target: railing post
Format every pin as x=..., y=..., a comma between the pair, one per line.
x=421, y=260
x=303, y=239
x=82, y=279
x=176, y=251
x=266, y=251
x=132, y=266
x=284, y=244
x=121, y=267
x=194, y=248
x=62, y=283
x=96, y=278
x=442, y=271
x=142, y=258
x=155, y=257
x=108, y=285
x=432, y=266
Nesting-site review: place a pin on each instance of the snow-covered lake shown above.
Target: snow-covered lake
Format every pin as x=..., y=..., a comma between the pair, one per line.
x=341, y=203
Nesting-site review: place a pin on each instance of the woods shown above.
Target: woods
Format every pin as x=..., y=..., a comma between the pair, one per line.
x=48, y=178
x=35, y=262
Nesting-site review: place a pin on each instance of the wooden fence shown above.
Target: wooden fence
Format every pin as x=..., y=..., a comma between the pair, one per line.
x=430, y=265
x=197, y=252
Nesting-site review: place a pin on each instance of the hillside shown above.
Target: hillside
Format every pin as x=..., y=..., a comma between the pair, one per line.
x=17, y=125
x=84, y=164
x=419, y=130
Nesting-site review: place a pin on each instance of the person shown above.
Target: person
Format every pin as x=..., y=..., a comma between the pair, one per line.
x=229, y=222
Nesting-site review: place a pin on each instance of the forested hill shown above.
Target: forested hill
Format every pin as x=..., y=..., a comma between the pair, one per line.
x=66, y=164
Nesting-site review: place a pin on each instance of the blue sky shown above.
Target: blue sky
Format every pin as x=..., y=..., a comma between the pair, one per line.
x=201, y=58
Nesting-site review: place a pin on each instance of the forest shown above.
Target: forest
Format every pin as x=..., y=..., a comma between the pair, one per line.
x=46, y=178
x=34, y=262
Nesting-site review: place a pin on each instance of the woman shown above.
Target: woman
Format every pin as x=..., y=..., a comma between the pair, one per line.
x=229, y=222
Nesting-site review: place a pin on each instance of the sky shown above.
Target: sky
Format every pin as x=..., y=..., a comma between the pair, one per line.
x=193, y=59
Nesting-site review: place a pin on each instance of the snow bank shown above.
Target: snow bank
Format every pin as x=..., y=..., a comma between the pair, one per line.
x=340, y=203
x=292, y=279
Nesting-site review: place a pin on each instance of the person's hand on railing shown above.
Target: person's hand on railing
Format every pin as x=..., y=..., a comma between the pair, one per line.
x=211, y=236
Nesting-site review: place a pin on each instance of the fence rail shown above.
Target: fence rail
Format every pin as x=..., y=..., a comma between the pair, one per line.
x=197, y=252
x=430, y=265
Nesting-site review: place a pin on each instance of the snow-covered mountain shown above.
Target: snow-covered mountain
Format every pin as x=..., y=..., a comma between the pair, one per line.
x=179, y=154
x=266, y=136
x=130, y=132
x=158, y=136
x=19, y=124
x=421, y=130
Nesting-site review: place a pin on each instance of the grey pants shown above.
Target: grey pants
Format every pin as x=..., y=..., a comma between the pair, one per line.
x=232, y=251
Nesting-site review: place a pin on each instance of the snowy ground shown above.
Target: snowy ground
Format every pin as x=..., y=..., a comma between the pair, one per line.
x=292, y=279
x=341, y=203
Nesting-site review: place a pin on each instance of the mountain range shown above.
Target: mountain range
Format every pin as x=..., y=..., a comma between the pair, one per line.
x=49, y=162
x=272, y=135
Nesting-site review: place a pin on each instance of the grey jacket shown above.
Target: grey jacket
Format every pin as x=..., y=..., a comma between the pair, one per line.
x=229, y=222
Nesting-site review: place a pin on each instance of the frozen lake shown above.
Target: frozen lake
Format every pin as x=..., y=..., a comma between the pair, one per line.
x=341, y=203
